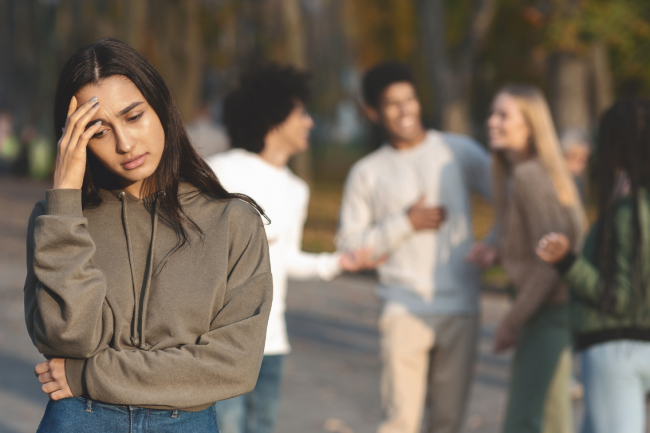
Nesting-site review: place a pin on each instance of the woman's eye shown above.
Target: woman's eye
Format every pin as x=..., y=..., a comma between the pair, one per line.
x=134, y=118
x=100, y=133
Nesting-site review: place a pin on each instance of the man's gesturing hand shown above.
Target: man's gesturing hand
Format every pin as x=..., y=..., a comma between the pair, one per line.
x=426, y=218
x=52, y=375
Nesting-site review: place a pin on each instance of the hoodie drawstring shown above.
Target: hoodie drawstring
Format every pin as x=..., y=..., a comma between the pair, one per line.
x=138, y=332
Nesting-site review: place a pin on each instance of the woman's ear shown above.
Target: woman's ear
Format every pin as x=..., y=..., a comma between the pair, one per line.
x=372, y=113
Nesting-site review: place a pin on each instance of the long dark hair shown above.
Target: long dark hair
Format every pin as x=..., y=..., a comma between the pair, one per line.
x=109, y=57
x=623, y=171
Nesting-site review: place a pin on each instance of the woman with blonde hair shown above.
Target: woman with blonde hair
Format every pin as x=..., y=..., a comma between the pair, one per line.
x=533, y=192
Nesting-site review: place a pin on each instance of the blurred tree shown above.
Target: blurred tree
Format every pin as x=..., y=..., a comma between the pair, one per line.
x=581, y=35
x=452, y=63
x=294, y=44
x=177, y=50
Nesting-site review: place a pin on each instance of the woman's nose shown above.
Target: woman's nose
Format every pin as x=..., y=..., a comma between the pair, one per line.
x=124, y=143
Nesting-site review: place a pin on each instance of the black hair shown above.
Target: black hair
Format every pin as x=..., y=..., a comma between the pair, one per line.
x=377, y=79
x=265, y=97
x=623, y=156
x=109, y=57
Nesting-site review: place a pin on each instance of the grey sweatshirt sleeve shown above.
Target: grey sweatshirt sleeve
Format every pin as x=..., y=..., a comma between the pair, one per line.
x=357, y=225
x=66, y=312
x=223, y=363
x=475, y=162
x=477, y=171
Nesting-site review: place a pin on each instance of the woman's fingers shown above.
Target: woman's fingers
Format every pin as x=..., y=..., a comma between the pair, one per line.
x=87, y=135
x=71, y=109
x=60, y=395
x=50, y=387
x=80, y=124
x=68, y=138
x=41, y=367
x=46, y=377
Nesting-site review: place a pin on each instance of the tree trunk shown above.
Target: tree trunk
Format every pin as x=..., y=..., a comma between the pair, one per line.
x=452, y=83
x=296, y=56
x=135, y=22
x=180, y=52
x=570, y=94
x=602, y=78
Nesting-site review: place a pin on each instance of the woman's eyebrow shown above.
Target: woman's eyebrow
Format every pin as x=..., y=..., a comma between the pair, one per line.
x=129, y=108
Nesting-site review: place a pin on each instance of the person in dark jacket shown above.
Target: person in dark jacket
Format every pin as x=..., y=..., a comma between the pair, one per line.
x=610, y=281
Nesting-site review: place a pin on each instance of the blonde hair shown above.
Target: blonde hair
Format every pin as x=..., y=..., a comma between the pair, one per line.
x=545, y=145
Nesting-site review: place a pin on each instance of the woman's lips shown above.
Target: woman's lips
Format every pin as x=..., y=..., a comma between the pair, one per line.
x=134, y=162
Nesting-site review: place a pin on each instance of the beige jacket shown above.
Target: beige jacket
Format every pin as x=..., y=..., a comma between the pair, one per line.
x=137, y=325
x=532, y=211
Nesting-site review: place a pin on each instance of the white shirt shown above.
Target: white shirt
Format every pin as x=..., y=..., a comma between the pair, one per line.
x=284, y=198
x=426, y=271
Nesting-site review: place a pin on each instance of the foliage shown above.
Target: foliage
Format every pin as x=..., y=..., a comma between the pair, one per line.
x=623, y=25
x=382, y=29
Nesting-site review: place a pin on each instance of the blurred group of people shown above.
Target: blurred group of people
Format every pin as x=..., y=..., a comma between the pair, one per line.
x=406, y=210
x=26, y=154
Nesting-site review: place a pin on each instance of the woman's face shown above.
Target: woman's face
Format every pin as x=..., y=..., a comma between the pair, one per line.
x=507, y=127
x=131, y=139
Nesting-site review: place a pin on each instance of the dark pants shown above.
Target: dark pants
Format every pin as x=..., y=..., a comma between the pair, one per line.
x=538, y=398
x=257, y=411
x=80, y=415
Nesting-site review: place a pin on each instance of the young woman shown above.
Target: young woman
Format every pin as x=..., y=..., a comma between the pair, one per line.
x=533, y=192
x=610, y=282
x=148, y=286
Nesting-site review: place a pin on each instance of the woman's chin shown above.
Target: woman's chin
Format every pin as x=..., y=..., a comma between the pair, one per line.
x=498, y=146
x=132, y=176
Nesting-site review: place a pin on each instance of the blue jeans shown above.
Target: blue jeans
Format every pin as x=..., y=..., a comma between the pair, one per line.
x=257, y=411
x=616, y=378
x=82, y=415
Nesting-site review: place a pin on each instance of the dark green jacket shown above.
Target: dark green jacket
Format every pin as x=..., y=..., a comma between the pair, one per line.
x=627, y=315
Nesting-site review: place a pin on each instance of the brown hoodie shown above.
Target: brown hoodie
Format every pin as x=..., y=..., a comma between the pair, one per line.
x=138, y=325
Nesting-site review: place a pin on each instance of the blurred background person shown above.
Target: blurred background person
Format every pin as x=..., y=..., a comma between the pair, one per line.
x=410, y=200
x=268, y=123
x=610, y=280
x=533, y=192
x=9, y=142
x=39, y=153
x=577, y=150
x=208, y=138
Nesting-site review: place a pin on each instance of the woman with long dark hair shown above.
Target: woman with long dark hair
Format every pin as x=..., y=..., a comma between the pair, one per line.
x=149, y=285
x=610, y=281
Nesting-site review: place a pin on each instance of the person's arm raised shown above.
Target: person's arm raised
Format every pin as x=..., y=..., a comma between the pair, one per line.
x=71, y=148
x=66, y=312
x=583, y=276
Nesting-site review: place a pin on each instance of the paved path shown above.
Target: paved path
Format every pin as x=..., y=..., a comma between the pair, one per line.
x=332, y=376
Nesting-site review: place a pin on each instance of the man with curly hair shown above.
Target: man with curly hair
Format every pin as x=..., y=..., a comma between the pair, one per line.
x=268, y=123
